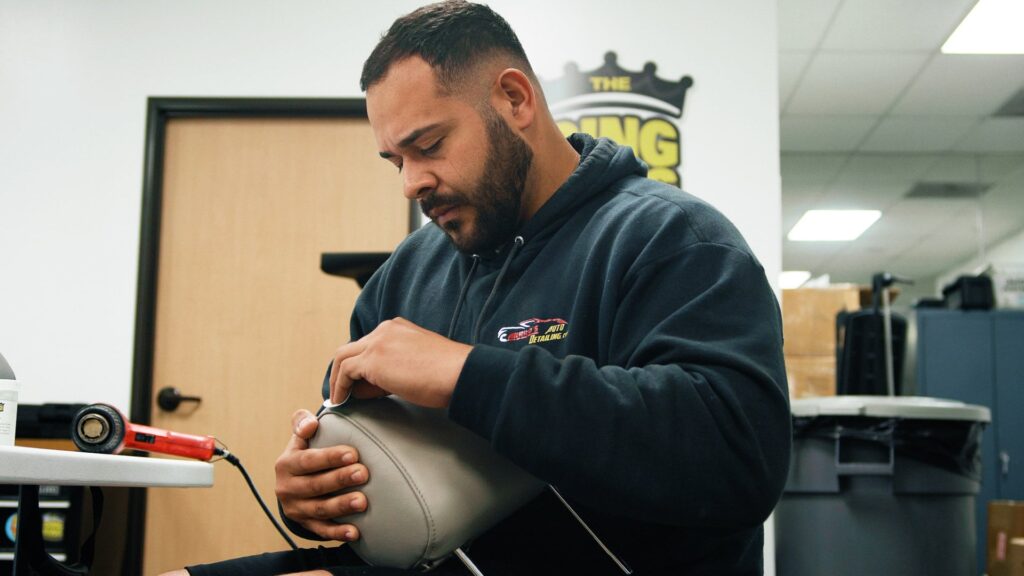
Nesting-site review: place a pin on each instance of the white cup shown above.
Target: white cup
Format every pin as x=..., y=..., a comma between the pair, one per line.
x=8, y=411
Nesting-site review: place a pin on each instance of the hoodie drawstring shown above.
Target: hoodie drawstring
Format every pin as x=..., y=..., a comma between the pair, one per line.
x=462, y=296
x=517, y=243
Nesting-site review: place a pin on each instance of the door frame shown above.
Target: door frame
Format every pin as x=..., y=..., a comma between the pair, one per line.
x=160, y=110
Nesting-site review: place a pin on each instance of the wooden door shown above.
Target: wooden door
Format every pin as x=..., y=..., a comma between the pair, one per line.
x=244, y=318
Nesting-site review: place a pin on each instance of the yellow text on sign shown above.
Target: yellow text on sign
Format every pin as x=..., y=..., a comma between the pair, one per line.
x=654, y=140
x=610, y=84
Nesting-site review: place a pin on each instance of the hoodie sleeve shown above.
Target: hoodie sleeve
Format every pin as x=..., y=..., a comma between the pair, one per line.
x=687, y=425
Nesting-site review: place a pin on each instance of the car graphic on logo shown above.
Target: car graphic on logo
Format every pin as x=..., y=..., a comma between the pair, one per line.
x=525, y=329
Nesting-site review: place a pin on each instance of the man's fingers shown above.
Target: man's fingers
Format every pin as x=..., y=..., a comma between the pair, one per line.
x=331, y=481
x=312, y=460
x=332, y=507
x=348, y=373
x=346, y=351
x=304, y=426
x=332, y=531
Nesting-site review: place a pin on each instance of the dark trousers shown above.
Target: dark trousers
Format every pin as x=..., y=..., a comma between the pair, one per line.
x=340, y=561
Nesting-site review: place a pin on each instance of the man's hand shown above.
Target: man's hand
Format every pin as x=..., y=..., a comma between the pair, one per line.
x=307, y=478
x=399, y=358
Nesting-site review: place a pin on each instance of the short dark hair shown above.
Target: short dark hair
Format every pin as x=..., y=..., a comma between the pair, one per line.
x=451, y=36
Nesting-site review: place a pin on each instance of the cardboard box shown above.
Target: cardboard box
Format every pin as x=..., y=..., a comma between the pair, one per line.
x=1005, y=524
x=1015, y=558
x=811, y=376
x=809, y=318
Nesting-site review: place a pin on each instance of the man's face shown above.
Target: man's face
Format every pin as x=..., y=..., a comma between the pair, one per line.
x=462, y=163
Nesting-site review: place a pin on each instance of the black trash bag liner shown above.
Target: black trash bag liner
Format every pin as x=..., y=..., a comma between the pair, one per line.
x=953, y=445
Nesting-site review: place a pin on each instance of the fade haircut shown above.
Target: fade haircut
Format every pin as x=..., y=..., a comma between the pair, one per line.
x=451, y=36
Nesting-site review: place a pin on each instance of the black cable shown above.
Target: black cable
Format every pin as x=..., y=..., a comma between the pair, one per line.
x=237, y=464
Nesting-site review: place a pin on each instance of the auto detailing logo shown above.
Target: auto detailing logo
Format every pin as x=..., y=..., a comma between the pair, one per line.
x=535, y=330
x=635, y=109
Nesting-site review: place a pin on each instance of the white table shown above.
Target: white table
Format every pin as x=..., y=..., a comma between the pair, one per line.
x=30, y=467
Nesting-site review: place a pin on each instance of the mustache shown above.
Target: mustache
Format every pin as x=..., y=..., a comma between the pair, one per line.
x=433, y=200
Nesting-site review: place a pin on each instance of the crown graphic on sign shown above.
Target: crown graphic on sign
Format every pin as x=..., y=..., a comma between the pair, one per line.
x=610, y=85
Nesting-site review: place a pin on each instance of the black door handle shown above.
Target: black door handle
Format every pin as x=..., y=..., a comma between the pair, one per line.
x=170, y=398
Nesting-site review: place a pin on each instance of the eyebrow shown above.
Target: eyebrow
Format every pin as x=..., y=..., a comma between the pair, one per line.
x=412, y=137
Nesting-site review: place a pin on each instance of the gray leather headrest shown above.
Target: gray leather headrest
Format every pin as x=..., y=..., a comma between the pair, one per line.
x=433, y=486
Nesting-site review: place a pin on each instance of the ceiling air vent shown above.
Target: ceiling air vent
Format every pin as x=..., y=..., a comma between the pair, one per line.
x=947, y=190
x=1014, y=107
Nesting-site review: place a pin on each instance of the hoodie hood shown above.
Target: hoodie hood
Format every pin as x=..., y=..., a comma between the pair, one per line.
x=602, y=163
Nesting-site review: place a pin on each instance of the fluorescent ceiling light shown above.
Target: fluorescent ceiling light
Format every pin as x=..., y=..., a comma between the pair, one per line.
x=992, y=27
x=793, y=278
x=833, y=225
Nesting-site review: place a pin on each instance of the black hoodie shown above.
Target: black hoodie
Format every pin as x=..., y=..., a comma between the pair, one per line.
x=627, y=349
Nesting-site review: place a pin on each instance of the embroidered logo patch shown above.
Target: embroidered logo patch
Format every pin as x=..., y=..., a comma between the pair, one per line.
x=535, y=330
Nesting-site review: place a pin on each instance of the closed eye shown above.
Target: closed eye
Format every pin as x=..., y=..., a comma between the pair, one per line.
x=432, y=149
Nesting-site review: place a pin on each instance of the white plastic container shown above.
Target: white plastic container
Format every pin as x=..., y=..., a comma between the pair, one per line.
x=881, y=485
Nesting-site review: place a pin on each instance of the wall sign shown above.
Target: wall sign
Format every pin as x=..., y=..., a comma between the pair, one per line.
x=635, y=109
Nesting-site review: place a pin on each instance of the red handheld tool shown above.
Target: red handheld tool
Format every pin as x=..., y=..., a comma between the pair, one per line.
x=101, y=428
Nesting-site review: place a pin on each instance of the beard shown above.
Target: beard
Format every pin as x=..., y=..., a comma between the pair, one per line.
x=497, y=196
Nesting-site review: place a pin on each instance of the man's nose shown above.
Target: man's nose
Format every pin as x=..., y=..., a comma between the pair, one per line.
x=418, y=181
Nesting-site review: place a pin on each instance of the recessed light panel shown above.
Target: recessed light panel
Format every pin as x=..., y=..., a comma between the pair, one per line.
x=992, y=27
x=832, y=225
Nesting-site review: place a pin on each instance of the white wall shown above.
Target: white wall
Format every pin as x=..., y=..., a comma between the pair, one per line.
x=75, y=75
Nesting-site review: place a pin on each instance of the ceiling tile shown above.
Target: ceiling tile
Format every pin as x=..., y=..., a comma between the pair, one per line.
x=924, y=216
x=823, y=133
x=863, y=196
x=1003, y=209
x=963, y=85
x=955, y=240
x=802, y=23
x=894, y=26
x=995, y=135
x=791, y=66
x=962, y=167
x=918, y=134
x=886, y=240
x=810, y=168
x=854, y=83
x=1015, y=176
x=884, y=168
x=995, y=238
x=998, y=231
x=802, y=192
x=808, y=255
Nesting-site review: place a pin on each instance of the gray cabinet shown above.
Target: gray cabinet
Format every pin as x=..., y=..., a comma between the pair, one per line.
x=978, y=357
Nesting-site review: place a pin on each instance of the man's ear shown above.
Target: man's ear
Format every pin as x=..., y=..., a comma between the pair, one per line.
x=515, y=97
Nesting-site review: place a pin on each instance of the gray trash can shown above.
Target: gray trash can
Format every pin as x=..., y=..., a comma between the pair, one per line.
x=881, y=485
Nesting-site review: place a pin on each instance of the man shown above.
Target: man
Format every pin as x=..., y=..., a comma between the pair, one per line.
x=611, y=335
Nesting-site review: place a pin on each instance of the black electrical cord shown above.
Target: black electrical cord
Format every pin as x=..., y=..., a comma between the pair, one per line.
x=238, y=464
